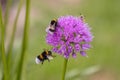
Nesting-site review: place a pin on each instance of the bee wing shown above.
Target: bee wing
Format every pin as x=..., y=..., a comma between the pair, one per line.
x=50, y=57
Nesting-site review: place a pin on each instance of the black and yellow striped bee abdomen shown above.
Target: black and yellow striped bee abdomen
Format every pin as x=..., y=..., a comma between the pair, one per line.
x=53, y=25
x=43, y=56
x=53, y=22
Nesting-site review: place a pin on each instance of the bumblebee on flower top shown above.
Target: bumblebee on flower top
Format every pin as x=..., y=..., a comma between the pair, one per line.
x=52, y=26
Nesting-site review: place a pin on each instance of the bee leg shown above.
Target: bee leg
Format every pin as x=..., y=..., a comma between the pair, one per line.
x=42, y=62
x=48, y=60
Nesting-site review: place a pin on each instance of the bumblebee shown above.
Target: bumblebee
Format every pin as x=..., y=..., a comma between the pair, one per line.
x=52, y=26
x=45, y=55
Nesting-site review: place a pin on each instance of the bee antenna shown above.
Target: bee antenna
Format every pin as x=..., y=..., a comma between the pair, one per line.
x=80, y=14
x=50, y=49
x=44, y=49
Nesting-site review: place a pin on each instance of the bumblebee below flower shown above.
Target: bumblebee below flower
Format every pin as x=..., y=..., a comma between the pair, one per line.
x=45, y=55
x=72, y=35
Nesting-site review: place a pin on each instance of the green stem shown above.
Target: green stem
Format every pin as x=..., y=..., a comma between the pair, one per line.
x=3, y=47
x=13, y=33
x=64, y=68
x=25, y=40
x=10, y=46
x=7, y=10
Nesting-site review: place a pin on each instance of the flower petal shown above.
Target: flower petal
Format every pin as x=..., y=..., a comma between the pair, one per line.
x=83, y=53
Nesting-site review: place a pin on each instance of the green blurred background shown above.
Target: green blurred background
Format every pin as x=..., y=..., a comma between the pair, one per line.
x=103, y=62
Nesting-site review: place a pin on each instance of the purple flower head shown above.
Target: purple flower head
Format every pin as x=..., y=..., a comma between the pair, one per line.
x=72, y=35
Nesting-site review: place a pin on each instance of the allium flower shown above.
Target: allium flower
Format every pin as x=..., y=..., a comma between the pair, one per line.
x=72, y=36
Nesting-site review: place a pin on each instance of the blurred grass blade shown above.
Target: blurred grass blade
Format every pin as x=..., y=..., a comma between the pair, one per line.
x=25, y=40
x=10, y=47
x=8, y=6
x=6, y=74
